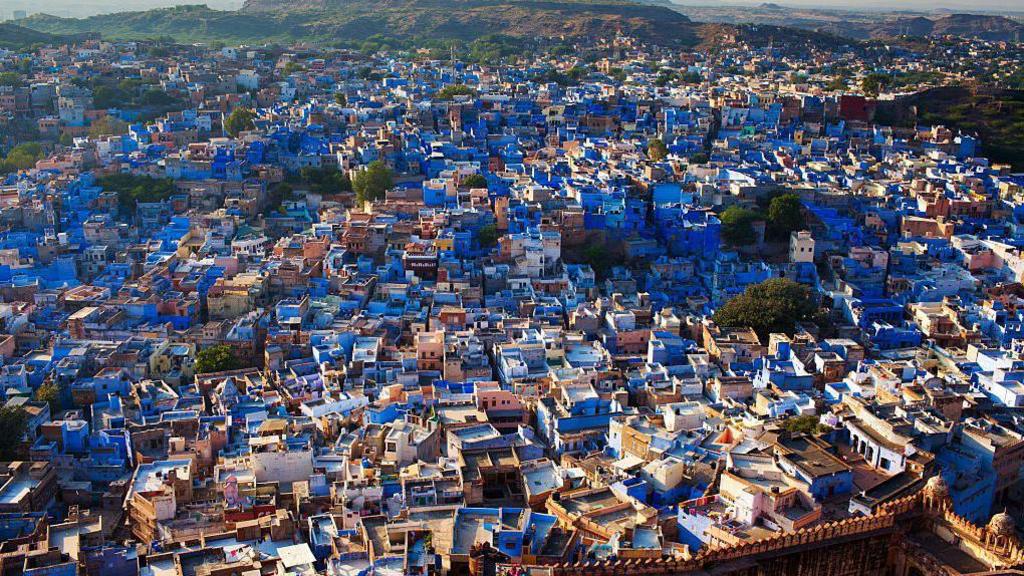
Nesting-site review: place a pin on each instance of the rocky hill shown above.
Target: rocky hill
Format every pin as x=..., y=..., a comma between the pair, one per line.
x=859, y=25
x=262, y=21
x=997, y=28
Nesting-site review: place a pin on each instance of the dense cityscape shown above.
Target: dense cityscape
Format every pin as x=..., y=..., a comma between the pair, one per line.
x=565, y=307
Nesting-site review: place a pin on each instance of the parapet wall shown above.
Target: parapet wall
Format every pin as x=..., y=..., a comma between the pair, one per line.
x=885, y=520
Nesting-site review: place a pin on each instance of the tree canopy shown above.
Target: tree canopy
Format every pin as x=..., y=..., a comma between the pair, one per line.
x=450, y=91
x=775, y=305
x=488, y=235
x=371, y=183
x=474, y=181
x=327, y=180
x=13, y=424
x=785, y=214
x=599, y=259
x=132, y=189
x=49, y=392
x=872, y=84
x=737, y=225
x=240, y=120
x=656, y=150
x=21, y=157
x=803, y=424
x=216, y=359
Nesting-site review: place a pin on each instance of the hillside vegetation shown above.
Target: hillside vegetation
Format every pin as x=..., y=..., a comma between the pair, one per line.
x=14, y=37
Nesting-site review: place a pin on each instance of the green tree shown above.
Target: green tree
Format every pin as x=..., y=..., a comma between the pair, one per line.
x=49, y=392
x=340, y=99
x=450, y=91
x=785, y=214
x=488, y=236
x=156, y=97
x=803, y=424
x=110, y=97
x=291, y=68
x=216, y=359
x=132, y=189
x=691, y=78
x=656, y=150
x=373, y=182
x=22, y=157
x=577, y=73
x=328, y=180
x=240, y=120
x=474, y=181
x=738, y=225
x=597, y=256
x=13, y=424
x=873, y=83
x=775, y=305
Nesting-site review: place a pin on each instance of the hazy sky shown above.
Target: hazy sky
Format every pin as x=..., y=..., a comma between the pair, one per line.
x=80, y=8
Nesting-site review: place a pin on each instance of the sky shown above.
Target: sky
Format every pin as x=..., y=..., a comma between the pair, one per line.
x=82, y=8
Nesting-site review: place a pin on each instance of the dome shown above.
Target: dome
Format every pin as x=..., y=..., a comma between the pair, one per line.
x=1002, y=524
x=937, y=487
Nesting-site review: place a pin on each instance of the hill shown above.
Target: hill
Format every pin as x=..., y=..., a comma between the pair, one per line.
x=13, y=37
x=995, y=115
x=859, y=25
x=996, y=28
x=261, y=21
